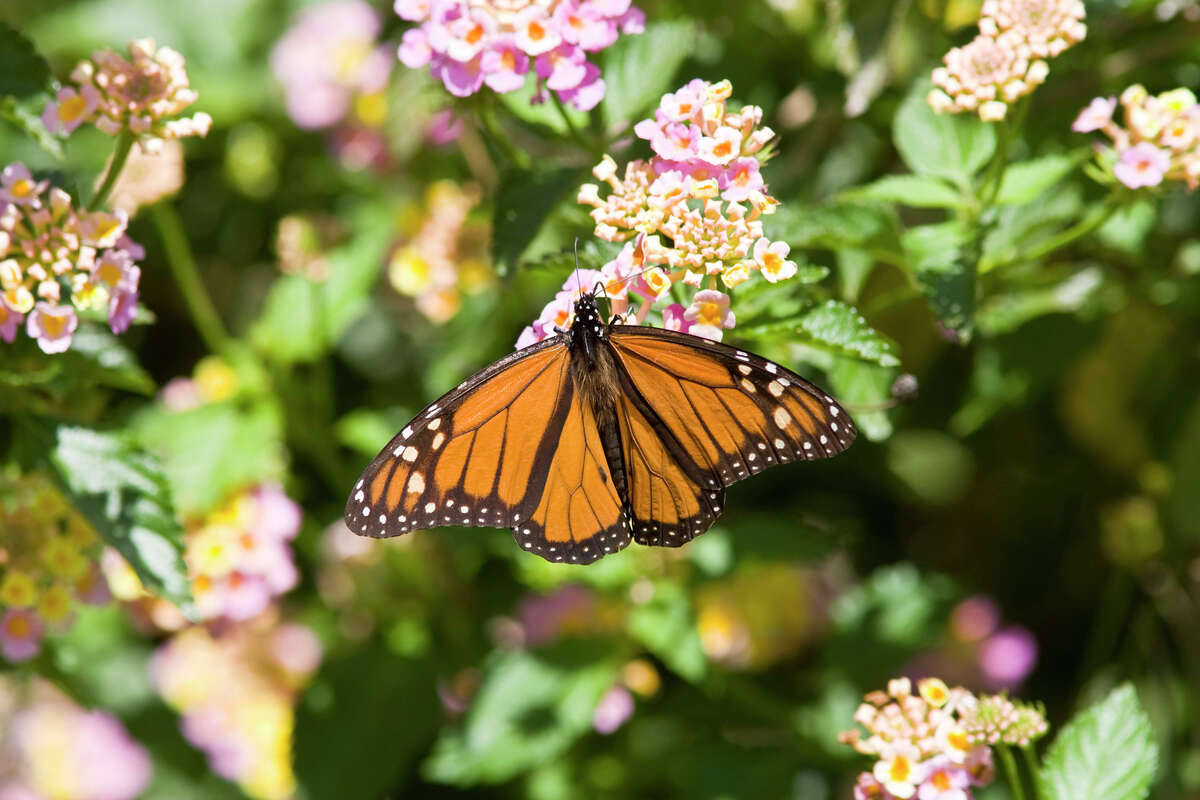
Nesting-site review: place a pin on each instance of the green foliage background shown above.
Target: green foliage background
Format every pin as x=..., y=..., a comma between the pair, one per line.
x=1051, y=458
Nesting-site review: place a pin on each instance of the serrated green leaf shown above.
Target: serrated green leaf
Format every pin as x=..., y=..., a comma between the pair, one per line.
x=839, y=327
x=23, y=117
x=1106, y=751
x=861, y=383
x=666, y=627
x=528, y=711
x=301, y=320
x=640, y=69
x=213, y=450
x=23, y=71
x=1023, y=182
x=524, y=200
x=99, y=357
x=950, y=146
x=916, y=191
x=122, y=491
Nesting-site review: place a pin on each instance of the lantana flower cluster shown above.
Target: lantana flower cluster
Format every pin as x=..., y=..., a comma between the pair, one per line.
x=471, y=43
x=56, y=260
x=239, y=557
x=1008, y=59
x=445, y=257
x=935, y=744
x=1160, y=140
x=331, y=64
x=48, y=566
x=145, y=95
x=690, y=215
x=54, y=749
x=236, y=693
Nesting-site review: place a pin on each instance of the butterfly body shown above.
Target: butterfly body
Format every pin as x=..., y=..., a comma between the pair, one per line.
x=602, y=434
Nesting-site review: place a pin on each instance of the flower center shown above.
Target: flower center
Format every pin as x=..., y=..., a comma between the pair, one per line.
x=710, y=313
x=941, y=780
x=900, y=769
x=71, y=109
x=536, y=31
x=772, y=261
x=22, y=188
x=53, y=325
x=18, y=627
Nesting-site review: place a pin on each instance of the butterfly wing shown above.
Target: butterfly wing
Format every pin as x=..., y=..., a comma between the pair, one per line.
x=702, y=415
x=512, y=446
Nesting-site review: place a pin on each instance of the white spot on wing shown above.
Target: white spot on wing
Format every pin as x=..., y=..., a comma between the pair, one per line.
x=782, y=417
x=775, y=388
x=409, y=454
x=435, y=424
x=437, y=440
x=416, y=483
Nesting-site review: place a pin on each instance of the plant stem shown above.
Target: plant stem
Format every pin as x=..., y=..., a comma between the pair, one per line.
x=1010, y=771
x=995, y=173
x=572, y=128
x=498, y=137
x=115, y=165
x=1035, y=772
x=1080, y=229
x=183, y=267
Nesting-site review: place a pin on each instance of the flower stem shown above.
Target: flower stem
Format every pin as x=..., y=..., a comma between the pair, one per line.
x=115, y=165
x=1080, y=229
x=1035, y=772
x=572, y=128
x=496, y=135
x=1010, y=771
x=183, y=267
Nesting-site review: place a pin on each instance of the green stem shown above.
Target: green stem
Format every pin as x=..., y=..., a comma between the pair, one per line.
x=1080, y=229
x=1010, y=771
x=120, y=155
x=995, y=173
x=183, y=267
x=572, y=128
x=1035, y=771
x=498, y=137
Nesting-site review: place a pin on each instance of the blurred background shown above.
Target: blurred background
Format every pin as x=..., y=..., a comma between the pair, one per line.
x=1027, y=518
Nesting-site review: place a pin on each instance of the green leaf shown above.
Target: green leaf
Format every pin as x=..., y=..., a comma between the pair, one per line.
x=917, y=191
x=523, y=202
x=26, y=117
x=301, y=320
x=23, y=71
x=666, y=627
x=638, y=70
x=835, y=226
x=861, y=383
x=839, y=327
x=1127, y=229
x=544, y=114
x=1008, y=311
x=211, y=451
x=1023, y=182
x=950, y=146
x=593, y=254
x=936, y=255
x=1106, y=751
x=122, y=491
x=100, y=358
x=528, y=711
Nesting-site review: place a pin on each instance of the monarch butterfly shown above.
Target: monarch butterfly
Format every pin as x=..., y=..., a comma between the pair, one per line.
x=605, y=433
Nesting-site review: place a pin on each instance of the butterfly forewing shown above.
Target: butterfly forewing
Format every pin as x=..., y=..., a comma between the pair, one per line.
x=466, y=459
x=733, y=413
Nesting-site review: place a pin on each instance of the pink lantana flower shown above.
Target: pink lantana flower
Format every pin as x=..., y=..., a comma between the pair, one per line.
x=504, y=68
x=709, y=314
x=613, y=710
x=562, y=68
x=52, y=326
x=71, y=108
x=674, y=319
x=944, y=780
x=18, y=187
x=585, y=25
x=10, y=321
x=1098, y=113
x=1142, y=165
x=20, y=635
x=590, y=91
